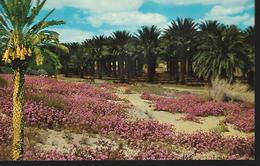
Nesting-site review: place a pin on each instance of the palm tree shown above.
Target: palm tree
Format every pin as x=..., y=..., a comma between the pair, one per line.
x=210, y=27
x=78, y=57
x=23, y=38
x=250, y=42
x=149, y=39
x=98, y=48
x=183, y=35
x=221, y=53
x=169, y=48
x=65, y=59
x=89, y=58
x=120, y=40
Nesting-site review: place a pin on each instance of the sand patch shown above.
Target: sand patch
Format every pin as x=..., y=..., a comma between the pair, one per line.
x=64, y=140
x=146, y=111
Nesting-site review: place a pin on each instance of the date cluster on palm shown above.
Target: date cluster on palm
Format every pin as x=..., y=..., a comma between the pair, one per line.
x=20, y=53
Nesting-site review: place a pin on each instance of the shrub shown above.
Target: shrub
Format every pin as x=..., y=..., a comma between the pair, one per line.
x=221, y=90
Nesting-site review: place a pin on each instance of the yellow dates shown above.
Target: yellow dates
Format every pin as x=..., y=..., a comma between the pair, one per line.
x=20, y=53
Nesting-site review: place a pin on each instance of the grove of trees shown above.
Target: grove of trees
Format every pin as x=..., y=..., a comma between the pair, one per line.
x=199, y=51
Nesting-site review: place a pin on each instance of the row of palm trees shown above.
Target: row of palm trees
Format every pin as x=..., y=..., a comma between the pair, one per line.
x=206, y=50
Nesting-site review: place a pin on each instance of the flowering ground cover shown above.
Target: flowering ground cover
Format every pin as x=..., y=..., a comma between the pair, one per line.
x=241, y=115
x=79, y=107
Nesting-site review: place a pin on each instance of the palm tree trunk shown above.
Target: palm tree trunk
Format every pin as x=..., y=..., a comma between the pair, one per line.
x=190, y=70
x=99, y=68
x=66, y=70
x=134, y=71
x=170, y=68
x=121, y=68
x=109, y=66
x=151, y=66
x=183, y=69
x=81, y=72
x=114, y=68
x=176, y=69
x=129, y=68
x=140, y=66
x=92, y=68
x=18, y=117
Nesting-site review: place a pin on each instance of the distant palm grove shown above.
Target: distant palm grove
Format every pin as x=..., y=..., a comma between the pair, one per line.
x=190, y=52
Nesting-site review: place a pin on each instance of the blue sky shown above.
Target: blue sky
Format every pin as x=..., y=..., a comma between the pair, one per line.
x=86, y=18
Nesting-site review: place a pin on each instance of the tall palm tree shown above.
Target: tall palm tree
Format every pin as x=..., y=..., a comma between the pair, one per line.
x=65, y=59
x=89, y=56
x=250, y=42
x=169, y=47
x=22, y=38
x=98, y=48
x=149, y=39
x=221, y=54
x=78, y=57
x=120, y=40
x=183, y=33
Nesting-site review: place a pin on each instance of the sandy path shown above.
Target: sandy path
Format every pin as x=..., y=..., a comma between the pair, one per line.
x=174, y=119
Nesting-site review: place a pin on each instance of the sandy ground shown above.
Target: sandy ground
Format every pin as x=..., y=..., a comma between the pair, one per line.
x=64, y=140
x=146, y=111
x=140, y=109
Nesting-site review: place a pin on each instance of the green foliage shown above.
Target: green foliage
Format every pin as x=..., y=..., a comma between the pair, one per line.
x=6, y=70
x=222, y=52
x=38, y=72
x=181, y=37
x=148, y=38
x=22, y=37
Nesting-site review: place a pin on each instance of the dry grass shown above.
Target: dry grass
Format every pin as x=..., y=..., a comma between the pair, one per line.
x=221, y=90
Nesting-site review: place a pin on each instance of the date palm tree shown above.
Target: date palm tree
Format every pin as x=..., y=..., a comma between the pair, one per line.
x=99, y=49
x=250, y=41
x=23, y=39
x=221, y=54
x=78, y=57
x=149, y=39
x=120, y=40
x=183, y=33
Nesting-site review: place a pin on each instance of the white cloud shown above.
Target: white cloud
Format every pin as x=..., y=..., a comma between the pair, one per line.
x=230, y=15
x=125, y=14
x=203, y=2
x=127, y=19
x=225, y=11
x=221, y=10
x=96, y=6
x=73, y=35
x=231, y=19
